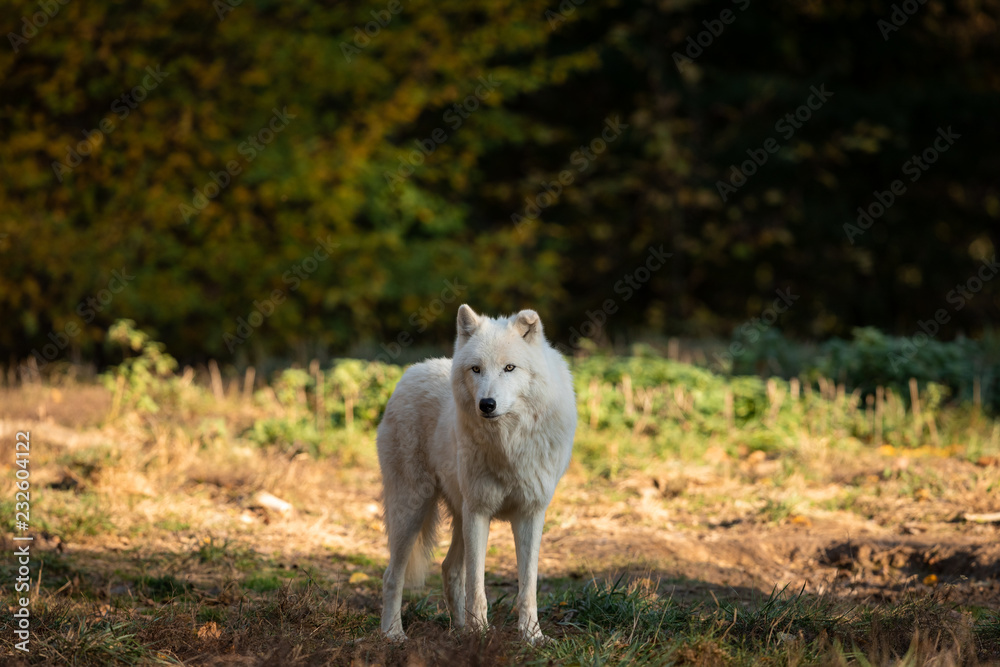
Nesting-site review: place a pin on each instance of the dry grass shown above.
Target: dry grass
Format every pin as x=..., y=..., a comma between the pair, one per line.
x=817, y=549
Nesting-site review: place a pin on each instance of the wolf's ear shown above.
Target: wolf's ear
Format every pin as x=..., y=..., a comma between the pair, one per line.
x=529, y=325
x=467, y=322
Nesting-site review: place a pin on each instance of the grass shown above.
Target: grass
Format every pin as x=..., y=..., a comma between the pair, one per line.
x=160, y=589
x=610, y=623
x=785, y=529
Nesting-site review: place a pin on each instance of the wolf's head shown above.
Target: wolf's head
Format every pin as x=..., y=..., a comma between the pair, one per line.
x=499, y=366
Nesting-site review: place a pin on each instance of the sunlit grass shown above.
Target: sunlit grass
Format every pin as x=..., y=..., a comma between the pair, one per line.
x=171, y=559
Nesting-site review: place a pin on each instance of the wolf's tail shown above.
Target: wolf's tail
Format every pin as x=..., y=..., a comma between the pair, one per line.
x=419, y=561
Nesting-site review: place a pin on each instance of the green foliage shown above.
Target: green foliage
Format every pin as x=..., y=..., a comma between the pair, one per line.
x=354, y=394
x=630, y=408
x=771, y=354
x=291, y=384
x=321, y=180
x=365, y=385
x=289, y=434
x=358, y=259
x=676, y=411
x=872, y=359
x=138, y=380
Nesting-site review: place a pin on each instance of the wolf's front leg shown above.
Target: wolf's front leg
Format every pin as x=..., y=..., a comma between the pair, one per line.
x=527, y=540
x=476, y=530
x=453, y=574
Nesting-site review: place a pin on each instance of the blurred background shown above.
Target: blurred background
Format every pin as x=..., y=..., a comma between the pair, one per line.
x=284, y=181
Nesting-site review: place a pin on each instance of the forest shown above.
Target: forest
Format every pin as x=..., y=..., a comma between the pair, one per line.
x=309, y=179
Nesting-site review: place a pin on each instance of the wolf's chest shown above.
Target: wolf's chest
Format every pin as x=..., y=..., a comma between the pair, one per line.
x=500, y=484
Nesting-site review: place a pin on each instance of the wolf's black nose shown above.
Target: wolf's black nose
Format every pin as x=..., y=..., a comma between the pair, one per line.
x=487, y=405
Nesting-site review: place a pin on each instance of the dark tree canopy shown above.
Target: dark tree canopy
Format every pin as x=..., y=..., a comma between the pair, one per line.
x=334, y=174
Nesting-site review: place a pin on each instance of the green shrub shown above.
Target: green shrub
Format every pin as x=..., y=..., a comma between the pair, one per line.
x=872, y=359
x=139, y=380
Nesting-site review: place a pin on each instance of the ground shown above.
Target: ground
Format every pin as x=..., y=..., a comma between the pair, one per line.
x=156, y=533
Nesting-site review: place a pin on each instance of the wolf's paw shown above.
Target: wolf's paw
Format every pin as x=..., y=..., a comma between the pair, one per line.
x=537, y=639
x=530, y=632
x=477, y=623
x=395, y=636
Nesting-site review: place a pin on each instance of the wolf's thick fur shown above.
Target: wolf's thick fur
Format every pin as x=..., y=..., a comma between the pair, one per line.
x=490, y=433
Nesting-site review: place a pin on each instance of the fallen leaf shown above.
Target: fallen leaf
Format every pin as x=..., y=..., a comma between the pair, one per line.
x=930, y=580
x=209, y=631
x=357, y=578
x=103, y=611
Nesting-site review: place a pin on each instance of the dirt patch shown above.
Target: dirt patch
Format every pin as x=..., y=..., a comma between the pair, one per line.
x=841, y=561
x=848, y=558
x=74, y=406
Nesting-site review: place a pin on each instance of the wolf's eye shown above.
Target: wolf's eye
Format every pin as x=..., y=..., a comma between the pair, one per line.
x=475, y=369
x=509, y=367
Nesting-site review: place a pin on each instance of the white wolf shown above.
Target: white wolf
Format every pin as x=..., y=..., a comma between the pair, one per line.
x=490, y=433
